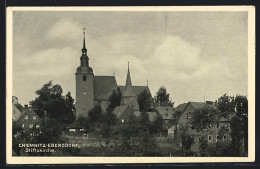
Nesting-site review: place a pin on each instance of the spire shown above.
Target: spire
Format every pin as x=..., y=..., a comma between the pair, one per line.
x=84, y=57
x=128, y=78
x=84, y=49
x=128, y=86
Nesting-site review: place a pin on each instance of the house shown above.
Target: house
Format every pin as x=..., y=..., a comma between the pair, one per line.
x=123, y=113
x=212, y=131
x=167, y=114
x=15, y=113
x=29, y=120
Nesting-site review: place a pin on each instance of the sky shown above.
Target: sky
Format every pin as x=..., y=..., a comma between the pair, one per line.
x=195, y=55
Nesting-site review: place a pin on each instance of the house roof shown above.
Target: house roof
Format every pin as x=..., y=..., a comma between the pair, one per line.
x=29, y=109
x=16, y=113
x=197, y=105
x=166, y=112
x=136, y=89
x=181, y=107
x=118, y=110
x=104, y=86
x=152, y=115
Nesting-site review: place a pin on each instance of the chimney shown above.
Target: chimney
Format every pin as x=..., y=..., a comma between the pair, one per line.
x=26, y=106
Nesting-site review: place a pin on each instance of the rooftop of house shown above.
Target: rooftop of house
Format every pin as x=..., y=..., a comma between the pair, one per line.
x=166, y=112
x=118, y=110
x=152, y=115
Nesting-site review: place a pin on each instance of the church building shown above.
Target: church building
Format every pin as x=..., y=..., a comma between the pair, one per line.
x=92, y=90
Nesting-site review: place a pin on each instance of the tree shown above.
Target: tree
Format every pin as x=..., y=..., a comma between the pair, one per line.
x=145, y=142
x=239, y=126
x=94, y=115
x=49, y=99
x=203, y=143
x=128, y=130
x=241, y=109
x=185, y=138
x=157, y=124
x=225, y=106
x=144, y=101
x=16, y=102
x=107, y=123
x=162, y=97
x=223, y=148
x=83, y=122
x=237, y=108
x=144, y=121
x=114, y=99
x=202, y=118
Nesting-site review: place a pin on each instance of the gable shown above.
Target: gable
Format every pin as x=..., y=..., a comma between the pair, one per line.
x=123, y=112
x=104, y=86
x=30, y=113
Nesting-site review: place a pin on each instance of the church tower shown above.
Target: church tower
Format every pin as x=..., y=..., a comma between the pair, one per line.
x=129, y=97
x=84, y=84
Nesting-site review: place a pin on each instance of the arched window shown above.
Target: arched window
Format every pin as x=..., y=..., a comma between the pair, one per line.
x=84, y=78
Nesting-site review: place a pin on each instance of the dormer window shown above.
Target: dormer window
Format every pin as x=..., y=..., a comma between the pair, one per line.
x=84, y=78
x=189, y=116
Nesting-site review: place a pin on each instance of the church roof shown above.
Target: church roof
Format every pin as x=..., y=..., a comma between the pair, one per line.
x=136, y=89
x=104, y=86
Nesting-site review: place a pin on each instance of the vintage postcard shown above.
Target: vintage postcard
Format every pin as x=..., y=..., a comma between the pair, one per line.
x=99, y=85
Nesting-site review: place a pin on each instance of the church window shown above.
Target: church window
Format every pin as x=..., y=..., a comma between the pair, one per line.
x=84, y=78
x=84, y=93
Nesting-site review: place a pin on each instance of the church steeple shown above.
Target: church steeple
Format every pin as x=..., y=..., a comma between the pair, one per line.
x=84, y=49
x=128, y=86
x=84, y=57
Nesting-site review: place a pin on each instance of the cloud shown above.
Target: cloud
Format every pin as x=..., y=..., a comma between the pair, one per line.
x=64, y=30
x=50, y=62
